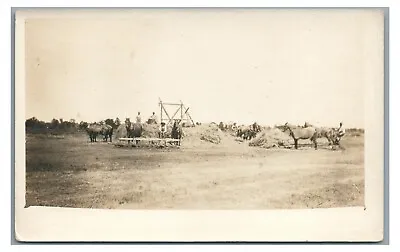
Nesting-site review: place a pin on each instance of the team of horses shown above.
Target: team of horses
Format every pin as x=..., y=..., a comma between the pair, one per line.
x=96, y=129
x=312, y=133
x=244, y=132
x=305, y=132
x=133, y=130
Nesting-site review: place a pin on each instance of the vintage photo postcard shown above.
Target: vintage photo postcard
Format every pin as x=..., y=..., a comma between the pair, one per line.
x=199, y=125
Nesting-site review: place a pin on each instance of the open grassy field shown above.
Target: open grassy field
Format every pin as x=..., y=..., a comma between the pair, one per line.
x=69, y=171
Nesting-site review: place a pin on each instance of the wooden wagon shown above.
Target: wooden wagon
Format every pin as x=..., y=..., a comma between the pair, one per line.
x=149, y=140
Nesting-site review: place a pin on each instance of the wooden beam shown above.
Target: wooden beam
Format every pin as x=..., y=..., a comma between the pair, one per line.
x=187, y=113
x=165, y=111
x=181, y=111
x=161, y=109
x=173, y=104
x=176, y=112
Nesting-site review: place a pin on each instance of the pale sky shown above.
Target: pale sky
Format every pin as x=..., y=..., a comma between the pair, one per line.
x=267, y=66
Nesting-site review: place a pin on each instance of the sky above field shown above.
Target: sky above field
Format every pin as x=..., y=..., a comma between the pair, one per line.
x=267, y=66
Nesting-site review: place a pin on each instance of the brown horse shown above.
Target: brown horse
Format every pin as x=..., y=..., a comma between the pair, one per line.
x=107, y=131
x=176, y=132
x=327, y=133
x=301, y=133
x=93, y=131
x=134, y=130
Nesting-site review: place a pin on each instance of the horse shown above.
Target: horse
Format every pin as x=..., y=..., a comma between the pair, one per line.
x=134, y=130
x=241, y=132
x=302, y=133
x=327, y=133
x=221, y=126
x=107, y=132
x=176, y=132
x=246, y=133
x=256, y=127
x=93, y=130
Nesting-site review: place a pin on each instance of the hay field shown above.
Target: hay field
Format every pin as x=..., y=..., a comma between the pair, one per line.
x=69, y=171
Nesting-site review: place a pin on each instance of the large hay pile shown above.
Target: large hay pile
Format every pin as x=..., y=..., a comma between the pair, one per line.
x=211, y=133
x=269, y=138
x=150, y=130
x=120, y=131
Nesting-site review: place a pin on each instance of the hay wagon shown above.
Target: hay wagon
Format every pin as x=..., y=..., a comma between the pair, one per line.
x=150, y=141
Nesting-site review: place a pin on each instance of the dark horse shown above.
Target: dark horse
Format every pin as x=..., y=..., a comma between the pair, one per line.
x=177, y=132
x=107, y=132
x=302, y=133
x=246, y=133
x=93, y=130
x=134, y=130
x=96, y=129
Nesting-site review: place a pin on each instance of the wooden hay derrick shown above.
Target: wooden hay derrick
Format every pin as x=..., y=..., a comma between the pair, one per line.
x=184, y=117
x=162, y=142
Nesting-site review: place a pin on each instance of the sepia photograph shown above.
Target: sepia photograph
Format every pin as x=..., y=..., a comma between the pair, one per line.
x=200, y=109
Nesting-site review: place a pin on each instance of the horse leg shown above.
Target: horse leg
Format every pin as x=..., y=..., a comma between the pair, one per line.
x=329, y=141
x=295, y=143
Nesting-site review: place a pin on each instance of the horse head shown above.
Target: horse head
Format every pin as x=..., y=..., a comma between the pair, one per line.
x=285, y=127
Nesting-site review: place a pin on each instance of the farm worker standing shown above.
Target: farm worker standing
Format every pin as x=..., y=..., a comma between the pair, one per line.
x=163, y=129
x=138, y=118
x=341, y=130
x=340, y=133
x=153, y=118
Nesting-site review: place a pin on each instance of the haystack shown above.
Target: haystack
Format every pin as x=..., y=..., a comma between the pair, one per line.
x=269, y=138
x=150, y=130
x=211, y=134
x=120, y=131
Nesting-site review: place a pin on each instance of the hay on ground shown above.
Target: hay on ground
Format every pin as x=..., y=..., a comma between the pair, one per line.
x=210, y=138
x=150, y=130
x=270, y=138
x=211, y=134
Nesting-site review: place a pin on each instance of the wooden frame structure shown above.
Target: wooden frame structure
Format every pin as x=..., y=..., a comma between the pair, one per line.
x=184, y=112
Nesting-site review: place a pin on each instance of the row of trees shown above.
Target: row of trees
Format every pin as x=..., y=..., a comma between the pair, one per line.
x=34, y=124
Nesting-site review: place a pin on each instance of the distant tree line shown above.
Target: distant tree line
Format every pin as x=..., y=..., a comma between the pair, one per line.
x=34, y=125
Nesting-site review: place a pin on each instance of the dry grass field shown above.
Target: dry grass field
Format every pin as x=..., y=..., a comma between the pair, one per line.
x=69, y=171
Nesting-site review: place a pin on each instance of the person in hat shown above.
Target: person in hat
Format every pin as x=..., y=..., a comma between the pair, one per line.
x=153, y=119
x=340, y=133
x=138, y=118
x=162, y=130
